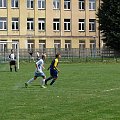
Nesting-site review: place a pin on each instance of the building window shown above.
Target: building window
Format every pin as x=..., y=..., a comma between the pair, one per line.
x=81, y=44
x=57, y=44
x=30, y=45
x=41, y=4
x=66, y=24
x=3, y=3
x=56, y=4
x=41, y=24
x=14, y=44
x=30, y=24
x=67, y=4
x=92, y=24
x=81, y=4
x=68, y=44
x=14, y=3
x=92, y=5
x=56, y=24
x=92, y=44
x=3, y=23
x=30, y=4
x=15, y=24
x=3, y=46
x=42, y=44
x=81, y=25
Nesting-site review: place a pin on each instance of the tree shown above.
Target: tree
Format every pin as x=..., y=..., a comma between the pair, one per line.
x=109, y=20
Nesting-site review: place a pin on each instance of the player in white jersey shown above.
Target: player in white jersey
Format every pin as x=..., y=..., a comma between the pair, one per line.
x=12, y=58
x=38, y=72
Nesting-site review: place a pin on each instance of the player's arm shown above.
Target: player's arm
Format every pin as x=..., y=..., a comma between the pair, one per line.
x=43, y=66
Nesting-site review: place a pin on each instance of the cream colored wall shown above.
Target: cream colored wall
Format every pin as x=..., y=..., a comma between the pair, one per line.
x=74, y=14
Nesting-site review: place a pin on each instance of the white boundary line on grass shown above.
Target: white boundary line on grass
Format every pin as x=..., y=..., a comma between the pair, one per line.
x=113, y=89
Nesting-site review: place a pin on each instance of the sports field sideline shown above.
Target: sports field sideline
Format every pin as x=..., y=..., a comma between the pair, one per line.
x=84, y=91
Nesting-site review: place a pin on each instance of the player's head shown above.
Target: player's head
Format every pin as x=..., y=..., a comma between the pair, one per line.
x=43, y=56
x=58, y=55
x=11, y=50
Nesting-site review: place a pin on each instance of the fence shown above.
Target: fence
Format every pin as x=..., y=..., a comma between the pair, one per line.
x=68, y=55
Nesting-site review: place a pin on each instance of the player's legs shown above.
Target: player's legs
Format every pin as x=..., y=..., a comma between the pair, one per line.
x=46, y=80
x=15, y=67
x=55, y=76
x=10, y=67
x=30, y=81
x=43, y=80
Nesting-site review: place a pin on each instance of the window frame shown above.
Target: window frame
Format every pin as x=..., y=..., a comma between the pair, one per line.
x=56, y=4
x=30, y=24
x=30, y=4
x=81, y=4
x=42, y=4
x=92, y=4
x=13, y=3
x=67, y=25
x=3, y=4
x=56, y=24
x=4, y=23
x=15, y=23
x=81, y=25
x=92, y=25
x=67, y=4
x=42, y=24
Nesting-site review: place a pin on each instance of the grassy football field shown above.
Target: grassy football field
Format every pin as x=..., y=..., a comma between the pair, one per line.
x=84, y=91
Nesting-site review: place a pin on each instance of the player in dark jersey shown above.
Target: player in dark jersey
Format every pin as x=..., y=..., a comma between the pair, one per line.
x=53, y=70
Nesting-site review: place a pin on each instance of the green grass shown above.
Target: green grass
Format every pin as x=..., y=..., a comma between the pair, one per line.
x=88, y=91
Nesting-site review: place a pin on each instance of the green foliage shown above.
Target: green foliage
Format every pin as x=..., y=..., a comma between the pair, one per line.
x=82, y=92
x=109, y=19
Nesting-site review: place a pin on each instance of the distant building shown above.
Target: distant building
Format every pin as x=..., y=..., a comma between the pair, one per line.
x=50, y=23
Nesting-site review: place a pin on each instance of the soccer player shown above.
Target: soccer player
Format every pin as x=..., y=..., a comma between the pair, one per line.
x=53, y=70
x=12, y=58
x=38, y=72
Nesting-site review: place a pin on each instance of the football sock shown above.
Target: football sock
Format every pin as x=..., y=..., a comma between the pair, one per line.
x=30, y=80
x=43, y=82
x=52, y=82
x=47, y=79
x=15, y=69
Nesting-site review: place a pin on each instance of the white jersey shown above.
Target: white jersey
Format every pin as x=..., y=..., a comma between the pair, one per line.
x=39, y=65
x=12, y=56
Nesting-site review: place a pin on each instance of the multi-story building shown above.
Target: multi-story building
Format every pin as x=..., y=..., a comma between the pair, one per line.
x=50, y=23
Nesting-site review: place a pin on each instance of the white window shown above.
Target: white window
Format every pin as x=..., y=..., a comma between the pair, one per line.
x=56, y=24
x=56, y=4
x=57, y=44
x=30, y=4
x=82, y=44
x=66, y=24
x=3, y=4
x=81, y=4
x=14, y=44
x=92, y=44
x=92, y=4
x=41, y=4
x=92, y=24
x=3, y=23
x=68, y=44
x=14, y=3
x=15, y=24
x=3, y=46
x=81, y=25
x=67, y=4
x=41, y=24
x=42, y=44
x=30, y=24
x=30, y=45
